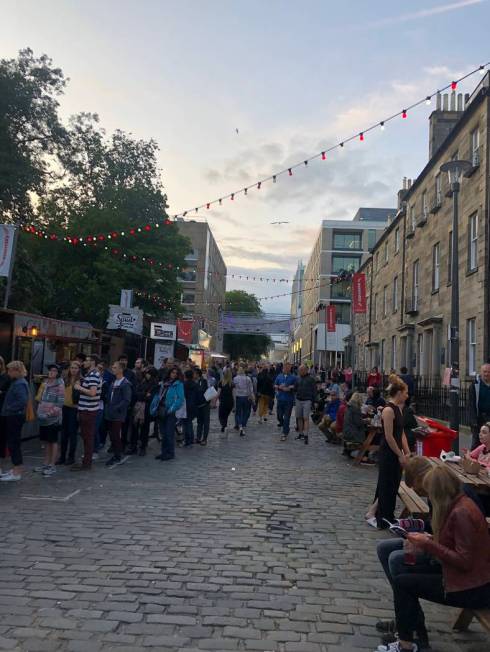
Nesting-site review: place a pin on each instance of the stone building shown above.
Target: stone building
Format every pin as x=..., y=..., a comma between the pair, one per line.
x=340, y=245
x=409, y=272
x=203, y=284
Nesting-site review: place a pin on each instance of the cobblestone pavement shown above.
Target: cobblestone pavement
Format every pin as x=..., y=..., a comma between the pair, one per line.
x=247, y=544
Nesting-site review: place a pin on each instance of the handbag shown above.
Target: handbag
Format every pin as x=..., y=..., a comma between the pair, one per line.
x=210, y=393
x=181, y=413
x=155, y=404
x=30, y=412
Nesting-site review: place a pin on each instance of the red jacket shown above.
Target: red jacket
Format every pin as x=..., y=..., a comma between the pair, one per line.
x=339, y=421
x=374, y=380
x=463, y=548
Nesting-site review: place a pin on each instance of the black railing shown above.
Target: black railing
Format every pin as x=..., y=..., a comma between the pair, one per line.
x=430, y=397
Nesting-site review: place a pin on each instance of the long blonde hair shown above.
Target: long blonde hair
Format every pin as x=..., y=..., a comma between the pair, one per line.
x=443, y=487
x=356, y=400
x=227, y=377
x=416, y=470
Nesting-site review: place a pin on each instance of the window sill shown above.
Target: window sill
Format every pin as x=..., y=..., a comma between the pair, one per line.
x=470, y=272
x=435, y=291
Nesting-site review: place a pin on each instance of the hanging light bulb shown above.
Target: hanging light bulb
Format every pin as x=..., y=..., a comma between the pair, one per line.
x=482, y=70
x=404, y=113
x=428, y=100
x=361, y=136
x=324, y=156
x=382, y=125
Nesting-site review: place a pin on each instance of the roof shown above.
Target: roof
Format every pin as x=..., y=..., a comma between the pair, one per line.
x=374, y=214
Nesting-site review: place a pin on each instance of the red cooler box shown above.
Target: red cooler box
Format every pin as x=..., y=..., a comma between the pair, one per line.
x=433, y=437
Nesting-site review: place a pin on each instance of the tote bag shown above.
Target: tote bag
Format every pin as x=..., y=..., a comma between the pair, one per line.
x=210, y=393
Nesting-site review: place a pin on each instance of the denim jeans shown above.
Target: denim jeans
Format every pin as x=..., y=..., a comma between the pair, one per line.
x=167, y=433
x=188, y=431
x=243, y=407
x=284, y=410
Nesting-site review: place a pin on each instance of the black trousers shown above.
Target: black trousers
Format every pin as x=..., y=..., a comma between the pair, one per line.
x=10, y=437
x=407, y=590
x=69, y=434
x=224, y=412
x=389, y=476
x=203, y=418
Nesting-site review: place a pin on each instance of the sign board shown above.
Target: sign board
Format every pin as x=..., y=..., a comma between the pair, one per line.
x=6, y=246
x=359, y=301
x=160, y=331
x=204, y=340
x=126, y=299
x=125, y=319
x=184, y=330
x=163, y=350
x=331, y=315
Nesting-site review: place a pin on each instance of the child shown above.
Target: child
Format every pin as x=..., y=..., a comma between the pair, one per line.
x=482, y=453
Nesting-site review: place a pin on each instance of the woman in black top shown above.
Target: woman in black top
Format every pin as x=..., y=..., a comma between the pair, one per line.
x=225, y=392
x=393, y=452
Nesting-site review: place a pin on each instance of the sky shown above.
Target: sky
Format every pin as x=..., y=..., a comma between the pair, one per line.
x=292, y=77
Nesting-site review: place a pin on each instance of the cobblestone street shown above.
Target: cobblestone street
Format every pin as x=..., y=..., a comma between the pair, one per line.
x=249, y=544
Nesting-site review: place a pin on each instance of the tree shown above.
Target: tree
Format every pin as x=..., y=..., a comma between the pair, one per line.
x=244, y=346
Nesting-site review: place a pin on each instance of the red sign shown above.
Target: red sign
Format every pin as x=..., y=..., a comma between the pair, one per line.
x=331, y=318
x=359, y=303
x=184, y=331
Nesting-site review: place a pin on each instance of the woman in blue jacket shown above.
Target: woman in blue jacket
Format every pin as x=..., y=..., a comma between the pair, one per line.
x=171, y=399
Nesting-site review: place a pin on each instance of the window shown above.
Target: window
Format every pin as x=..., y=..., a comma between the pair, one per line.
x=450, y=258
x=436, y=264
x=385, y=301
x=187, y=275
x=192, y=256
x=371, y=238
x=376, y=267
x=395, y=294
x=341, y=290
x=346, y=263
x=394, y=362
x=412, y=223
x=471, y=346
x=347, y=241
x=397, y=240
x=188, y=298
x=375, y=307
x=342, y=313
x=415, y=285
x=473, y=242
x=425, y=205
x=475, y=147
x=438, y=190
x=386, y=252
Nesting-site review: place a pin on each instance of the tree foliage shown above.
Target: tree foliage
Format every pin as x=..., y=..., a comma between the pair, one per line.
x=102, y=183
x=250, y=347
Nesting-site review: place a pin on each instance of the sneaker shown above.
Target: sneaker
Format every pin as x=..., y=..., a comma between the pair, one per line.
x=204, y=442
x=61, y=461
x=95, y=456
x=49, y=471
x=10, y=476
x=40, y=469
x=372, y=522
x=396, y=647
x=422, y=642
x=236, y=428
x=242, y=432
x=114, y=461
x=300, y=436
x=284, y=438
x=131, y=451
x=306, y=439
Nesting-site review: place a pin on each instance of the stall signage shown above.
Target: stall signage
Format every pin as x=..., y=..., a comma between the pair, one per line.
x=7, y=232
x=160, y=331
x=125, y=319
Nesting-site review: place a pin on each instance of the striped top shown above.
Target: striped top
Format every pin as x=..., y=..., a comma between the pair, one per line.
x=90, y=403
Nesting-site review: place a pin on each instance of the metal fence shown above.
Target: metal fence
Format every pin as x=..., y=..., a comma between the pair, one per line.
x=431, y=397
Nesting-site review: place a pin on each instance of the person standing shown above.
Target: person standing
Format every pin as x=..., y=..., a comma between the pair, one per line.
x=191, y=394
x=225, y=392
x=394, y=452
x=203, y=409
x=374, y=379
x=50, y=397
x=244, y=398
x=14, y=416
x=4, y=385
x=171, y=399
x=69, y=423
x=479, y=403
x=285, y=386
x=265, y=391
x=116, y=408
x=305, y=397
x=90, y=388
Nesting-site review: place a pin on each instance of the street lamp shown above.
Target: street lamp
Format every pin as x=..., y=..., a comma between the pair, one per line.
x=455, y=170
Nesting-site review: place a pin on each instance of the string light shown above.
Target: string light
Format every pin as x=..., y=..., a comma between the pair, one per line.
x=404, y=113
x=482, y=70
x=290, y=172
x=428, y=100
x=361, y=136
x=453, y=85
x=382, y=126
x=324, y=156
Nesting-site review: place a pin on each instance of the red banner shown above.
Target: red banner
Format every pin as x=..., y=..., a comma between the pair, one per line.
x=184, y=331
x=331, y=318
x=359, y=303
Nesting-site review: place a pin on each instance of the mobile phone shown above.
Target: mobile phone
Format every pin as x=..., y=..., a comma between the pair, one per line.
x=396, y=529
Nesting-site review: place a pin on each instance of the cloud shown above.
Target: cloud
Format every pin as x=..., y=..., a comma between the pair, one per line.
x=423, y=13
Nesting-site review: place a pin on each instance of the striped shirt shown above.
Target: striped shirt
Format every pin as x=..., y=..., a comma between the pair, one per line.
x=90, y=403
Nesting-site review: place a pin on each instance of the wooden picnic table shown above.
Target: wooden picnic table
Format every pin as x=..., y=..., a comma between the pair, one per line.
x=367, y=446
x=480, y=482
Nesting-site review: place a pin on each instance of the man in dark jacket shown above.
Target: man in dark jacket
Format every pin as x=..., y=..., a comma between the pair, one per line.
x=116, y=410
x=305, y=397
x=479, y=403
x=191, y=393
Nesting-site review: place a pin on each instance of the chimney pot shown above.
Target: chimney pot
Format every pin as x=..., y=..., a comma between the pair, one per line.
x=438, y=103
x=453, y=101
x=460, y=102
x=445, y=102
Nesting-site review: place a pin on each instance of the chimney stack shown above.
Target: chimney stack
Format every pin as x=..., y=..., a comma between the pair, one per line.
x=449, y=109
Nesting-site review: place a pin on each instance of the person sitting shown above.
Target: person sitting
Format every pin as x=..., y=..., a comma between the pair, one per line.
x=374, y=399
x=354, y=422
x=327, y=425
x=339, y=421
x=481, y=454
x=461, y=543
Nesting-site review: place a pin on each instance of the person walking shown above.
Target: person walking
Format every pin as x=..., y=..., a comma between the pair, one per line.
x=51, y=398
x=203, y=409
x=4, y=385
x=305, y=397
x=479, y=403
x=13, y=417
x=69, y=422
x=148, y=390
x=244, y=398
x=285, y=386
x=90, y=388
x=225, y=393
x=171, y=399
x=265, y=390
x=118, y=400
x=191, y=394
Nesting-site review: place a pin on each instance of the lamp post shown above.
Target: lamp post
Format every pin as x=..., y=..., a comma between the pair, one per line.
x=455, y=170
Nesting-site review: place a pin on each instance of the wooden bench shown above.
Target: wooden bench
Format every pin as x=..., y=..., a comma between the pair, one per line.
x=414, y=505
x=464, y=619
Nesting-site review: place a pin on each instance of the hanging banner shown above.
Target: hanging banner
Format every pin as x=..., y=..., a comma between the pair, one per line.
x=160, y=331
x=163, y=351
x=184, y=330
x=359, y=303
x=125, y=319
x=331, y=318
x=6, y=245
